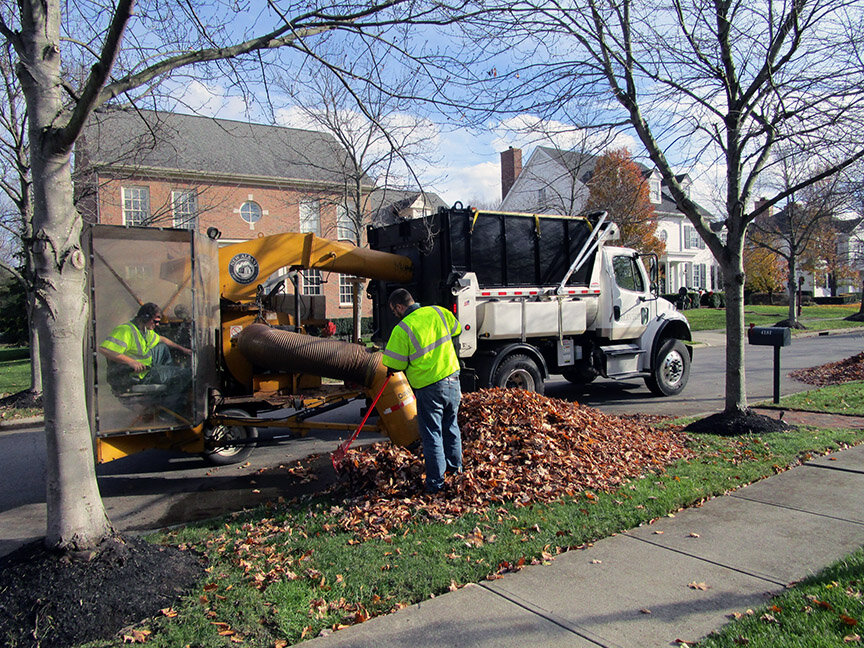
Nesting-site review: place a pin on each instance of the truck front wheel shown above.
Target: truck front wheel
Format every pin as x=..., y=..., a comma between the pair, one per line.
x=671, y=369
x=518, y=372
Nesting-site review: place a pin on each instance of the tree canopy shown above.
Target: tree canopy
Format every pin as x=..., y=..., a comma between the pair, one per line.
x=619, y=187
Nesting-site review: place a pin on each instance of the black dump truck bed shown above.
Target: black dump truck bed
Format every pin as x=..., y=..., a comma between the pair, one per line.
x=502, y=249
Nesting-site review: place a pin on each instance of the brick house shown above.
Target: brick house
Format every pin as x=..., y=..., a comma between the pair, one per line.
x=557, y=182
x=247, y=180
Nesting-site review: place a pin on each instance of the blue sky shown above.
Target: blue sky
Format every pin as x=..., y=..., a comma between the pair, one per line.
x=467, y=166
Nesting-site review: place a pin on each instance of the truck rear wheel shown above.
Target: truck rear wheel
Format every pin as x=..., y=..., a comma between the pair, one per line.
x=224, y=455
x=518, y=372
x=671, y=369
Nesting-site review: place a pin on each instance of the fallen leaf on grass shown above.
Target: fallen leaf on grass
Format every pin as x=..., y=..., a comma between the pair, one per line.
x=137, y=636
x=852, y=638
x=848, y=620
x=168, y=612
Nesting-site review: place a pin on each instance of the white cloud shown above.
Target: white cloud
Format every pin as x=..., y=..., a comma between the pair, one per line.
x=471, y=183
x=527, y=131
x=211, y=100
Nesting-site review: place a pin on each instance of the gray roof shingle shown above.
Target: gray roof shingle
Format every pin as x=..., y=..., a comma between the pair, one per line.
x=187, y=143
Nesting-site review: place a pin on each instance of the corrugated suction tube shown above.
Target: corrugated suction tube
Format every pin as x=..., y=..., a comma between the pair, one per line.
x=281, y=350
x=286, y=351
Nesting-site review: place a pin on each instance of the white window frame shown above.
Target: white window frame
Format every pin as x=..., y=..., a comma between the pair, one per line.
x=310, y=216
x=654, y=191
x=136, y=205
x=184, y=208
x=346, y=228
x=252, y=208
x=312, y=282
x=346, y=290
x=692, y=240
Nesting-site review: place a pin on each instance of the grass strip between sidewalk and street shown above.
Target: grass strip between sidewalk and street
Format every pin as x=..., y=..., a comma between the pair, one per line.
x=815, y=318
x=847, y=399
x=823, y=610
x=286, y=571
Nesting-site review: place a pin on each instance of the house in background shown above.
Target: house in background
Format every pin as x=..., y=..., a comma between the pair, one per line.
x=247, y=180
x=387, y=206
x=850, y=251
x=556, y=182
x=848, y=230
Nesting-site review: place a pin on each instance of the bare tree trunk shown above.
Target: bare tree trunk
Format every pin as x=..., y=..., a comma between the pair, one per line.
x=76, y=515
x=861, y=306
x=793, y=295
x=35, y=360
x=736, y=394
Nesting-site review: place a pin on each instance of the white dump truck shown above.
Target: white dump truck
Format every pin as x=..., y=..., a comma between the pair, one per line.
x=539, y=295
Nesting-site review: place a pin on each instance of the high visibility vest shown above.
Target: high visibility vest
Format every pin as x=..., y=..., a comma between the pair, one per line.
x=421, y=346
x=138, y=345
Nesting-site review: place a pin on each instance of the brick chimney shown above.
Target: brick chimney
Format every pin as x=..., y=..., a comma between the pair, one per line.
x=759, y=203
x=511, y=167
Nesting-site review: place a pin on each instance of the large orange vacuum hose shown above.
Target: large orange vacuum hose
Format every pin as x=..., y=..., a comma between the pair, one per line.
x=280, y=350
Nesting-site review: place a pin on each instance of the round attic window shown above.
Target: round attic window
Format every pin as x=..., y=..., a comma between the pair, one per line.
x=250, y=211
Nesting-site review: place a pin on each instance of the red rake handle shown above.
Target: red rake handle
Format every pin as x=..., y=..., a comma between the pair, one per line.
x=338, y=455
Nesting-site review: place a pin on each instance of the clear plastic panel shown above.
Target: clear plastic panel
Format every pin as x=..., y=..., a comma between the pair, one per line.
x=130, y=267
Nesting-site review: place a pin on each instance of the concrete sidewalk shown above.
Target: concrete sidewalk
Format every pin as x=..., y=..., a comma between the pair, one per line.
x=632, y=590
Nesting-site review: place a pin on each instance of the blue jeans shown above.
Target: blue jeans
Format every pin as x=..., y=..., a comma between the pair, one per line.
x=437, y=411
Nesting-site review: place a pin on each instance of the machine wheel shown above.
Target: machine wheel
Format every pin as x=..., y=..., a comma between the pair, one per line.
x=518, y=372
x=671, y=369
x=226, y=455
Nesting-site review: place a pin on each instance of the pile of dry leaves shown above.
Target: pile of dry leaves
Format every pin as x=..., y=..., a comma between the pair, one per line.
x=833, y=373
x=517, y=447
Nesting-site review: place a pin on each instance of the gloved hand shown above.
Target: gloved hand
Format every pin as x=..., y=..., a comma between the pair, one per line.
x=391, y=371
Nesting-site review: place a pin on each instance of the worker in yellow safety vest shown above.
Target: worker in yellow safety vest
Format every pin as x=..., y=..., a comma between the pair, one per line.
x=137, y=354
x=421, y=345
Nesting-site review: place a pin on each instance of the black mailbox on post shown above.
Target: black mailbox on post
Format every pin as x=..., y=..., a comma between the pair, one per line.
x=775, y=336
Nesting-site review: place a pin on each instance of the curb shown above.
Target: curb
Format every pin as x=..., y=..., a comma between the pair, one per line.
x=797, y=333
x=21, y=423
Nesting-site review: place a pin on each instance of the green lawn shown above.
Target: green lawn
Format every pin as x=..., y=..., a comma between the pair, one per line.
x=836, y=399
x=815, y=318
x=14, y=369
x=285, y=571
x=822, y=611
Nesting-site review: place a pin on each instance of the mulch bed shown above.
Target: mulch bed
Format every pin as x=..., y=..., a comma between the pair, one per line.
x=51, y=600
x=748, y=422
x=833, y=373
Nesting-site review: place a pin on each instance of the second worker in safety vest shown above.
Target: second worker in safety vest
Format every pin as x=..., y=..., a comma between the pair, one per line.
x=421, y=345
